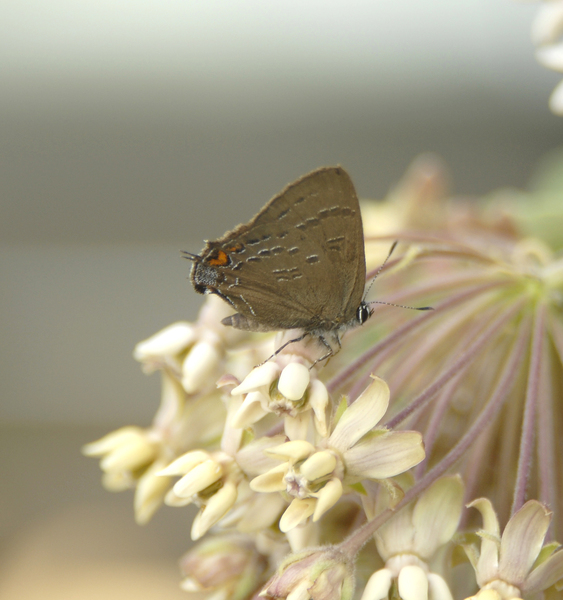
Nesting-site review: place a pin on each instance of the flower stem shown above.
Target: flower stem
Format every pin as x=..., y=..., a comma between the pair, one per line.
x=529, y=419
x=459, y=364
x=432, y=430
x=547, y=453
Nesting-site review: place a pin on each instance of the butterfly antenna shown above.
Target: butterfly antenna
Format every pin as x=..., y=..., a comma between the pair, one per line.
x=394, y=245
x=190, y=256
x=401, y=305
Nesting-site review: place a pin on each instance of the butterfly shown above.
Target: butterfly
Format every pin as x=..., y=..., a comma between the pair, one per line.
x=299, y=263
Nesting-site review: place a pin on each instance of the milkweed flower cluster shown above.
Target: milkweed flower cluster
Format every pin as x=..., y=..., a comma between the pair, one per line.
x=364, y=477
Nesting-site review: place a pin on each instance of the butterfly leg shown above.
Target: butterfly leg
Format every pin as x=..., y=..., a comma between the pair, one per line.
x=297, y=339
x=330, y=350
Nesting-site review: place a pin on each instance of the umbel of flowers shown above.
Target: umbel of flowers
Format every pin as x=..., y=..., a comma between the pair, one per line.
x=365, y=477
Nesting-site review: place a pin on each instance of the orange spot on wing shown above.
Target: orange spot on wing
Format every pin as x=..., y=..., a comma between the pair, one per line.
x=220, y=259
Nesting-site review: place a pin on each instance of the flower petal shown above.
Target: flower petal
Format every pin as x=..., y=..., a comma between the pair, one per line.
x=318, y=401
x=199, y=367
x=378, y=585
x=439, y=589
x=328, y=496
x=167, y=342
x=436, y=515
x=522, y=541
x=384, y=455
x=303, y=537
x=413, y=583
x=216, y=508
x=117, y=481
x=149, y=494
x=112, y=440
x=545, y=574
x=171, y=499
x=251, y=410
x=318, y=465
x=296, y=427
x=172, y=402
x=294, y=451
x=252, y=458
x=294, y=380
x=261, y=513
x=487, y=565
x=200, y=477
x=361, y=416
x=296, y=513
x=397, y=535
x=272, y=481
x=259, y=376
x=333, y=583
x=133, y=455
x=185, y=463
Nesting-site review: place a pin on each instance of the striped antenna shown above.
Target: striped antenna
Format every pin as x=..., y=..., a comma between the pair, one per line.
x=393, y=246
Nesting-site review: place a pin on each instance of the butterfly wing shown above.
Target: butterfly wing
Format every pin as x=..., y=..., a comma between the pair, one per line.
x=299, y=263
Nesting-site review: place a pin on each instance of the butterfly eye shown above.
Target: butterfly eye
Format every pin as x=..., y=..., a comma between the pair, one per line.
x=363, y=313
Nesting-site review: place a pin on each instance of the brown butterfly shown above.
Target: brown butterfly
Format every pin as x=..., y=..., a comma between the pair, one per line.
x=298, y=264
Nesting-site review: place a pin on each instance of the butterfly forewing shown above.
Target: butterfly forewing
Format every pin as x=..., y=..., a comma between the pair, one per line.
x=299, y=263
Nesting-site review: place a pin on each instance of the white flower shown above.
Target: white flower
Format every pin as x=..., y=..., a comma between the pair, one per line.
x=195, y=351
x=209, y=480
x=314, y=477
x=150, y=493
x=123, y=451
x=515, y=564
x=283, y=387
x=217, y=483
x=132, y=456
x=169, y=341
x=410, y=539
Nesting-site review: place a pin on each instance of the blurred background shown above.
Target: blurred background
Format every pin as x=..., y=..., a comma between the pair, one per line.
x=131, y=130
